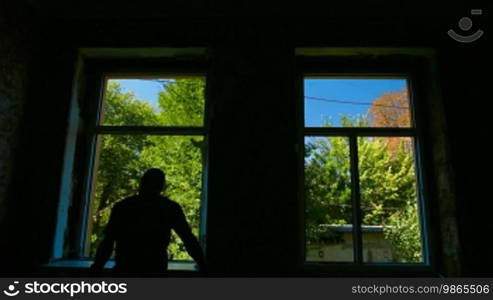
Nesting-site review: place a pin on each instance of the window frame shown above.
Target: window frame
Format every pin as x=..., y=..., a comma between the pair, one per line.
x=93, y=80
x=341, y=64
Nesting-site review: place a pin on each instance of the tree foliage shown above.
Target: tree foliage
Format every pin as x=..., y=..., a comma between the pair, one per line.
x=387, y=176
x=124, y=158
x=387, y=183
x=391, y=109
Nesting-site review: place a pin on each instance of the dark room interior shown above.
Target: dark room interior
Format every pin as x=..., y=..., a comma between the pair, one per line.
x=251, y=161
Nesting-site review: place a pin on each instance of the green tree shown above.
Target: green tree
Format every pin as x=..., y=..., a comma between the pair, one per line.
x=124, y=158
x=181, y=157
x=118, y=165
x=327, y=187
x=387, y=186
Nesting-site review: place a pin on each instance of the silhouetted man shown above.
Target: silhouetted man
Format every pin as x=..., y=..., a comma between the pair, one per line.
x=140, y=227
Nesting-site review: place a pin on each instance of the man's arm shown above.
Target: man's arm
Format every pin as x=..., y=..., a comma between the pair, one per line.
x=106, y=246
x=191, y=243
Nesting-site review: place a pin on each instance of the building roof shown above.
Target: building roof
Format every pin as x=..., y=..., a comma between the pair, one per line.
x=349, y=227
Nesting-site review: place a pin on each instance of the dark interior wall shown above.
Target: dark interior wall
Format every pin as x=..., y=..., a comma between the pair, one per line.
x=15, y=55
x=465, y=80
x=253, y=187
x=17, y=52
x=254, y=200
x=38, y=124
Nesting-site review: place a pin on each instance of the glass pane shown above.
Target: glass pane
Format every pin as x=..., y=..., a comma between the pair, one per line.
x=328, y=215
x=120, y=163
x=332, y=102
x=390, y=219
x=154, y=102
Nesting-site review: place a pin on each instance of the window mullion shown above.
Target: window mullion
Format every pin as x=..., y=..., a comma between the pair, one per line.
x=356, y=199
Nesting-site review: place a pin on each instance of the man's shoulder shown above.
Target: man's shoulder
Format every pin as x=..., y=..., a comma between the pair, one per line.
x=172, y=204
x=132, y=201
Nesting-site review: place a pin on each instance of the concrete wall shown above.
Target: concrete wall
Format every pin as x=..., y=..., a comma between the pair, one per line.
x=375, y=249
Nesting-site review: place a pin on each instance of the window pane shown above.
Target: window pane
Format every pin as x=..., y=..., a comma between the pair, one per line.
x=377, y=102
x=390, y=219
x=154, y=102
x=121, y=161
x=328, y=215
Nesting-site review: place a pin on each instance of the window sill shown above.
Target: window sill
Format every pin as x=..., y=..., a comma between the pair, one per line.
x=75, y=266
x=373, y=269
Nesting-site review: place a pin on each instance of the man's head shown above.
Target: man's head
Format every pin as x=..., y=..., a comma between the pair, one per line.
x=152, y=183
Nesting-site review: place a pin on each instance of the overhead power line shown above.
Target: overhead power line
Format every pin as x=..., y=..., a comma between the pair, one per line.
x=354, y=102
x=164, y=81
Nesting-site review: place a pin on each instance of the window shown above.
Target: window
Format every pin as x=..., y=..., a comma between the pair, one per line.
x=147, y=123
x=127, y=116
x=361, y=167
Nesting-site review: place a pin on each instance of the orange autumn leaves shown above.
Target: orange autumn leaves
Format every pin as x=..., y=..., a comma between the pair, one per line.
x=391, y=109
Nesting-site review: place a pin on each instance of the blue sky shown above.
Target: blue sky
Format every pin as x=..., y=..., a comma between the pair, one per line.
x=146, y=90
x=356, y=91
x=316, y=111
